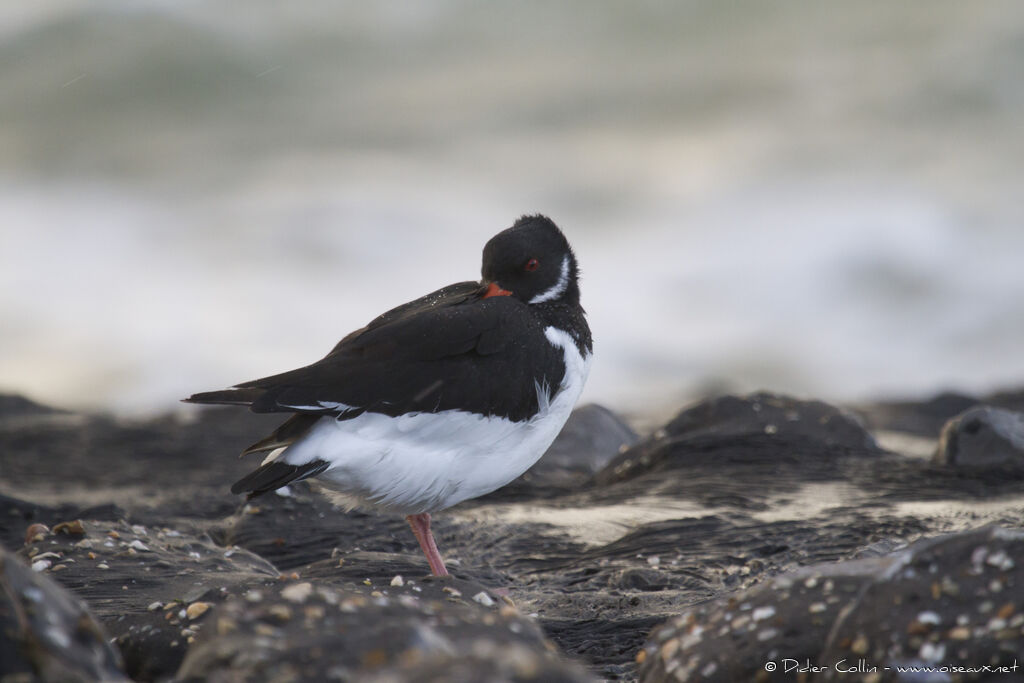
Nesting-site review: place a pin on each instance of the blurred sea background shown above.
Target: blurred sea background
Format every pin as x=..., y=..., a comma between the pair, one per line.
x=817, y=198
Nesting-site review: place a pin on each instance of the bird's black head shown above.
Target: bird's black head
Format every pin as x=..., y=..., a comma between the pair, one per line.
x=531, y=261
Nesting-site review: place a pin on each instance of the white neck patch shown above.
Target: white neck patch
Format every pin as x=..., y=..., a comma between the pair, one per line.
x=558, y=289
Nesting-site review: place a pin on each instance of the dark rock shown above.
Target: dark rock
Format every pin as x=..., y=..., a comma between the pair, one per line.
x=732, y=430
x=926, y=418
x=596, y=564
x=14, y=405
x=772, y=414
x=982, y=436
x=17, y=515
x=952, y=600
x=46, y=633
x=304, y=527
x=432, y=630
x=922, y=418
x=592, y=436
x=139, y=580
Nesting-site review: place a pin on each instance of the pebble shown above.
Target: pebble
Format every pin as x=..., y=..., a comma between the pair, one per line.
x=281, y=612
x=398, y=580
x=138, y=545
x=297, y=592
x=73, y=528
x=41, y=565
x=36, y=532
x=484, y=599
x=197, y=609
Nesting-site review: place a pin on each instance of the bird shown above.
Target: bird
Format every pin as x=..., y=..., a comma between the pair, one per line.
x=437, y=401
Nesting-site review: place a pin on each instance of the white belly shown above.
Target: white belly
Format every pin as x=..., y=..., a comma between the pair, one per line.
x=424, y=462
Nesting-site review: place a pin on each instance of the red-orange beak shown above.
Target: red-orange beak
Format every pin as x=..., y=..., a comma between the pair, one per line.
x=494, y=290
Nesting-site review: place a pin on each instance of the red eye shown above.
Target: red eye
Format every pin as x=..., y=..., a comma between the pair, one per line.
x=531, y=264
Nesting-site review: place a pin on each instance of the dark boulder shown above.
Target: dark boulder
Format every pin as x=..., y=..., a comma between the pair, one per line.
x=954, y=600
x=735, y=429
x=981, y=437
x=404, y=630
x=141, y=583
x=46, y=633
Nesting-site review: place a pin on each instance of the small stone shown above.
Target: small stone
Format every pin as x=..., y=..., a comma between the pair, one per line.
x=931, y=652
x=1000, y=560
x=197, y=609
x=72, y=528
x=113, y=534
x=763, y=613
x=484, y=599
x=36, y=532
x=254, y=595
x=297, y=592
x=654, y=560
x=41, y=565
x=397, y=581
x=280, y=612
x=103, y=565
x=860, y=645
x=960, y=633
x=154, y=606
x=454, y=592
x=817, y=607
x=138, y=545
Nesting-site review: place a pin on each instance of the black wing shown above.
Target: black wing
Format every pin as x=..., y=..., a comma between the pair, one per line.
x=449, y=350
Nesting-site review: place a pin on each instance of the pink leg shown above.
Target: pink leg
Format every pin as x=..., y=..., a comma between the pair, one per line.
x=421, y=527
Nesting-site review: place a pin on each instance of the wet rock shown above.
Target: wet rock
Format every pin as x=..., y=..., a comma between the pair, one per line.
x=122, y=570
x=420, y=631
x=18, y=516
x=772, y=414
x=982, y=436
x=595, y=565
x=16, y=406
x=927, y=417
x=592, y=436
x=46, y=633
x=734, y=429
x=922, y=418
x=304, y=527
x=953, y=600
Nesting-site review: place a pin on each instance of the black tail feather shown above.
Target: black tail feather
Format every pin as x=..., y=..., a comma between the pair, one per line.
x=289, y=432
x=274, y=475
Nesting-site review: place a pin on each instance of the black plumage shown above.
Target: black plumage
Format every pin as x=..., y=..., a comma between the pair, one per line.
x=273, y=475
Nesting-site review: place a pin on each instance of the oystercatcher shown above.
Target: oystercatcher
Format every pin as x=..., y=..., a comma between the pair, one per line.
x=439, y=400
